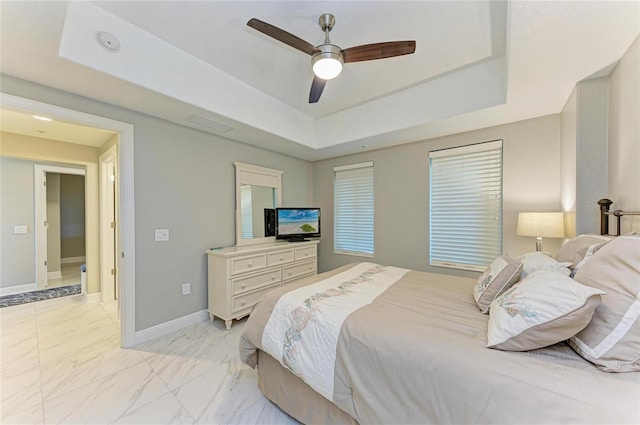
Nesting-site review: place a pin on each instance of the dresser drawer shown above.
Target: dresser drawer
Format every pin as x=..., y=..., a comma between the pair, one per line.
x=298, y=270
x=305, y=252
x=279, y=257
x=245, y=284
x=248, y=263
x=246, y=301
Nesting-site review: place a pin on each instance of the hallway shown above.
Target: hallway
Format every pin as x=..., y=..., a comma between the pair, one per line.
x=70, y=275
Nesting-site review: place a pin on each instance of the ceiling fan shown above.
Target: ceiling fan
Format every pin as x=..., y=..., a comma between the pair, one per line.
x=327, y=59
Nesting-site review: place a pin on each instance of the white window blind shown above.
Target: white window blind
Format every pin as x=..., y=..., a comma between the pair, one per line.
x=245, y=211
x=353, y=209
x=465, y=206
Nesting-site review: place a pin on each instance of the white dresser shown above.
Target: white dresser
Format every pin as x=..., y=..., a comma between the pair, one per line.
x=239, y=276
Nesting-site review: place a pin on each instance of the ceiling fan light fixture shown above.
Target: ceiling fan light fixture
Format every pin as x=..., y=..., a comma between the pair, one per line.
x=328, y=63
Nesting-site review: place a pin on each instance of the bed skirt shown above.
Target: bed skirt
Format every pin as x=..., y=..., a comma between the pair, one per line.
x=295, y=397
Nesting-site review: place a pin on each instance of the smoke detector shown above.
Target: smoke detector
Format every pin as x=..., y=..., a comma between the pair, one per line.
x=108, y=41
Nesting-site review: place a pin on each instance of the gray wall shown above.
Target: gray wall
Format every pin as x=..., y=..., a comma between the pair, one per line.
x=568, y=165
x=72, y=220
x=531, y=158
x=17, y=203
x=584, y=155
x=601, y=146
x=591, y=151
x=184, y=181
x=17, y=209
x=624, y=137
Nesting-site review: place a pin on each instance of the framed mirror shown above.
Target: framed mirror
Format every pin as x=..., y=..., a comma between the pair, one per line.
x=257, y=189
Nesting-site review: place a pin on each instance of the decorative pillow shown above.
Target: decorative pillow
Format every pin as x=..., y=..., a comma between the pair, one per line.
x=580, y=248
x=533, y=261
x=612, y=340
x=545, y=308
x=497, y=278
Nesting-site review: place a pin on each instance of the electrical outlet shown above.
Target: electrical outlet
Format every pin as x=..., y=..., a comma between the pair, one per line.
x=162, y=235
x=186, y=288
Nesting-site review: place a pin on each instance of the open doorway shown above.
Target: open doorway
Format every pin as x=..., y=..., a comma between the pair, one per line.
x=125, y=231
x=60, y=225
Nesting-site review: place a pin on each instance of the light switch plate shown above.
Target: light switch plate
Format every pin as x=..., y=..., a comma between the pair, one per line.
x=19, y=230
x=162, y=235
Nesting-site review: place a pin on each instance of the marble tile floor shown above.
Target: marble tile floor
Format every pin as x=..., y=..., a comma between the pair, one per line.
x=70, y=275
x=60, y=362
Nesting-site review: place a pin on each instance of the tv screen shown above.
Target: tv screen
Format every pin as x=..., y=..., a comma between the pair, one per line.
x=296, y=224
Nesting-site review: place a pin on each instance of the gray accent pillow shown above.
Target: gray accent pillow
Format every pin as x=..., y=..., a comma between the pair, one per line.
x=576, y=249
x=497, y=278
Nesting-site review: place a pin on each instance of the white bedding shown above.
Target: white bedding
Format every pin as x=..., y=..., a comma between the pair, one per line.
x=302, y=333
x=417, y=354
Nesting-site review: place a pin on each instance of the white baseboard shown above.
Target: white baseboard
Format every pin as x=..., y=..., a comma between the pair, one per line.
x=171, y=326
x=54, y=275
x=10, y=290
x=73, y=259
x=92, y=298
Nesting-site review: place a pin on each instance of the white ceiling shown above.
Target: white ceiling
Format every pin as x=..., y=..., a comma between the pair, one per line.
x=477, y=64
x=24, y=123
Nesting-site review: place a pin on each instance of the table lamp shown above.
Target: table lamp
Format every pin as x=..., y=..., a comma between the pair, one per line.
x=541, y=224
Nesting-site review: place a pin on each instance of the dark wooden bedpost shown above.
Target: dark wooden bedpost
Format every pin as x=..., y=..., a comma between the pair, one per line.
x=604, y=219
x=617, y=214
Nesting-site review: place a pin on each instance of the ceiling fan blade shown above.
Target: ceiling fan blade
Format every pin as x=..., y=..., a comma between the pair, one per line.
x=283, y=36
x=316, y=89
x=369, y=52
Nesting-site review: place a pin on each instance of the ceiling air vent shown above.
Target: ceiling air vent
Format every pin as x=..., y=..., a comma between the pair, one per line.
x=210, y=124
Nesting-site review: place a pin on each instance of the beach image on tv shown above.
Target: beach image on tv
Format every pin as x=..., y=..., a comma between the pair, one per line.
x=297, y=221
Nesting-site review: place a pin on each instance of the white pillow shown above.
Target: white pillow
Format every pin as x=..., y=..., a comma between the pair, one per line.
x=544, y=308
x=612, y=339
x=534, y=261
x=497, y=278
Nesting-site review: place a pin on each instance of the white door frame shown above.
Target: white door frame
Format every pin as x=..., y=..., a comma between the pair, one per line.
x=40, y=203
x=126, y=233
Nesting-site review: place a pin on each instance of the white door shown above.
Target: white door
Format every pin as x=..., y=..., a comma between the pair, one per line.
x=41, y=226
x=109, y=225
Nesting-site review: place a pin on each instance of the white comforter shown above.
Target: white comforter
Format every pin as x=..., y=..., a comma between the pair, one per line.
x=302, y=333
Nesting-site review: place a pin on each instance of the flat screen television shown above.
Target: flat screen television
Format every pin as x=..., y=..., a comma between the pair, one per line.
x=297, y=224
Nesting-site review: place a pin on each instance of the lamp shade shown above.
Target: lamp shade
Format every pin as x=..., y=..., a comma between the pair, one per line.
x=541, y=224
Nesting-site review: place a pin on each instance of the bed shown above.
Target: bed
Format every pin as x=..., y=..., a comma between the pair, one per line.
x=416, y=351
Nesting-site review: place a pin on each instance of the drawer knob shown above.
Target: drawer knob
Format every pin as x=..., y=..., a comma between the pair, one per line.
x=281, y=258
x=290, y=273
x=310, y=267
x=306, y=253
x=243, y=302
x=273, y=277
x=250, y=264
x=244, y=285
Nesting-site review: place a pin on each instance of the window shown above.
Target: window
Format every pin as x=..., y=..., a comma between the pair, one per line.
x=353, y=209
x=465, y=206
x=245, y=211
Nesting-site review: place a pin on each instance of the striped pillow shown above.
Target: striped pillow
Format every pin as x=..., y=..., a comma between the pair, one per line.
x=612, y=339
x=497, y=278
